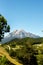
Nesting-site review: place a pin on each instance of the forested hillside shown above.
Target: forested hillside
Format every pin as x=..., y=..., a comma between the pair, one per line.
x=28, y=51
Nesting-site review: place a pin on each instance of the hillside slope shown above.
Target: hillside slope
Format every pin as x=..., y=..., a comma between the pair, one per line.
x=25, y=50
x=4, y=52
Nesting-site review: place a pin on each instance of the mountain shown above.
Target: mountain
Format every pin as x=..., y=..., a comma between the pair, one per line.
x=18, y=34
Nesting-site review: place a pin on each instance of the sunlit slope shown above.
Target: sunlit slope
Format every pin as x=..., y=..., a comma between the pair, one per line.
x=3, y=52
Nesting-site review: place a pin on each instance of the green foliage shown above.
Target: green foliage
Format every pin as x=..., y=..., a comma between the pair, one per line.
x=28, y=51
x=40, y=59
x=38, y=49
x=3, y=26
x=4, y=61
x=22, y=50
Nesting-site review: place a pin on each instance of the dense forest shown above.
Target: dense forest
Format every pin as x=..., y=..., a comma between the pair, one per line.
x=28, y=51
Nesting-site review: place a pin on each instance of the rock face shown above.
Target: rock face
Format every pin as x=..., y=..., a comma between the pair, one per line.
x=18, y=34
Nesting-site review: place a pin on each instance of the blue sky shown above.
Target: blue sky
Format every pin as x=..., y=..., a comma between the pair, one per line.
x=23, y=14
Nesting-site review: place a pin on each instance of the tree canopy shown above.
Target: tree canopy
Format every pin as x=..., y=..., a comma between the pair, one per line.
x=4, y=27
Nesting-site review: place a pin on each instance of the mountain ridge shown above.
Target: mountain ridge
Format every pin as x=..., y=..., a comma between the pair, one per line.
x=18, y=34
